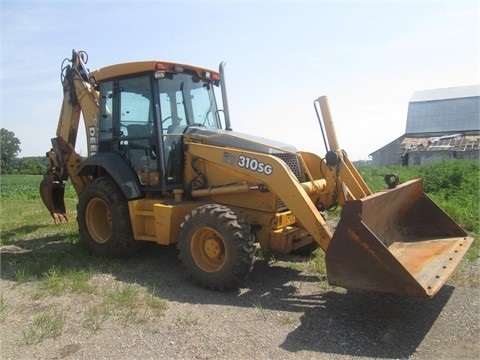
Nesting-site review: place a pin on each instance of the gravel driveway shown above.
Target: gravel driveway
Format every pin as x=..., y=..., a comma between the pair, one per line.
x=282, y=311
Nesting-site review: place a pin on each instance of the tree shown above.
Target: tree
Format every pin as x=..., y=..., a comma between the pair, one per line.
x=10, y=147
x=31, y=166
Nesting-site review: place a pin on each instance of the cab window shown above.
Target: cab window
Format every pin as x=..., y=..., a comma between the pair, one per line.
x=137, y=130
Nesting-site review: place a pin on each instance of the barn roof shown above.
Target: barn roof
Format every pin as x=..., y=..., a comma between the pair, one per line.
x=448, y=110
x=454, y=142
x=446, y=93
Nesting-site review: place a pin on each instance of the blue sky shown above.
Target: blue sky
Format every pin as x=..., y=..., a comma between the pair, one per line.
x=368, y=57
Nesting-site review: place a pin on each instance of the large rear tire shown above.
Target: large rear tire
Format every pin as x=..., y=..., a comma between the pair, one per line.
x=104, y=220
x=216, y=247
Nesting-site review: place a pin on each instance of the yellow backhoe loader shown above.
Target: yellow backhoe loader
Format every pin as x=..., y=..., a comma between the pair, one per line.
x=165, y=166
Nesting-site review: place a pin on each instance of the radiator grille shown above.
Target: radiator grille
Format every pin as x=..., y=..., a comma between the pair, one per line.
x=294, y=164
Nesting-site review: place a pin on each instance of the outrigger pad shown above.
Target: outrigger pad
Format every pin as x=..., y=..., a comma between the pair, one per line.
x=396, y=241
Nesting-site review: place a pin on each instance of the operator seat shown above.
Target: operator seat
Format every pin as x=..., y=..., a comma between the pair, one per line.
x=140, y=148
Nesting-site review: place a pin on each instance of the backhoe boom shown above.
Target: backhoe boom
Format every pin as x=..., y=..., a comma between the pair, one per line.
x=64, y=162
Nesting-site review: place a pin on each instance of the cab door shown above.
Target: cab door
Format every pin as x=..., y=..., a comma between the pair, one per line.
x=137, y=138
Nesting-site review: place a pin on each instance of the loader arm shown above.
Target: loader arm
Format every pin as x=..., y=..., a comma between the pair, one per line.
x=79, y=97
x=280, y=180
x=395, y=241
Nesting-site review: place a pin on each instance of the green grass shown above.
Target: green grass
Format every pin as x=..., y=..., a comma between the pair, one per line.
x=187, y=319
x=317, y=264
x=26, y=187
x=3, y=303
x=57, y=281
x=49, y=257
x=453, y=185
x=45, y=325
x=259, y=308
x=95, y=316
x=127, y=304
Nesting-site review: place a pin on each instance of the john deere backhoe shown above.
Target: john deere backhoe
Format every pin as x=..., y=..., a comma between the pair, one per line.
x=165, y=166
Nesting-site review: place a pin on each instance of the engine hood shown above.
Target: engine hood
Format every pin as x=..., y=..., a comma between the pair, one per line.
x=238, y=140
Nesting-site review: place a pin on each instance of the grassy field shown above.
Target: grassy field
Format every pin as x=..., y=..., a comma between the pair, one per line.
x=50, y=257
x=454, y=186
x=36, y=251
x=44, y=263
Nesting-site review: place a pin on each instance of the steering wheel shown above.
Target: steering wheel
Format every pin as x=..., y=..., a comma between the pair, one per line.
x=171, y=117
x=167, y=118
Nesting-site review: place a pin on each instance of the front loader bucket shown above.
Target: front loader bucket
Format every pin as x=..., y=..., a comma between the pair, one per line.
x=396, y=241
x=52, y=193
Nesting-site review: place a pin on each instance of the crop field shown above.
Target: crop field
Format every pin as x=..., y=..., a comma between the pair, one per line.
x=23, y=215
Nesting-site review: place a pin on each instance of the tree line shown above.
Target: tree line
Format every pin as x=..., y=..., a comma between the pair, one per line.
x=11, y=164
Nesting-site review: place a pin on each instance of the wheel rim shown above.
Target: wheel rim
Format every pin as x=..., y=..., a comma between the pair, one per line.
x=99, y=220
x=208, y=249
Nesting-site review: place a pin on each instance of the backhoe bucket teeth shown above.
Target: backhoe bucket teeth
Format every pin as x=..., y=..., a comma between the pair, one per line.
x=52, y=193
x=396, y=241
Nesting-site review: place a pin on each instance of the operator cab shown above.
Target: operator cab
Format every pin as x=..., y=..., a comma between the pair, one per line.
x=144, y=115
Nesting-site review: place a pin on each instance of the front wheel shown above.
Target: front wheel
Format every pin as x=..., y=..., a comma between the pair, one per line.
x=216, y=247
x=104, y=220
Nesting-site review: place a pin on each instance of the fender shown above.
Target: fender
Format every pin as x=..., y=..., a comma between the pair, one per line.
x=115, y=165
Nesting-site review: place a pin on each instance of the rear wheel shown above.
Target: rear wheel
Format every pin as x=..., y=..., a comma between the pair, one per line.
x=104, y=220
x=216, y=247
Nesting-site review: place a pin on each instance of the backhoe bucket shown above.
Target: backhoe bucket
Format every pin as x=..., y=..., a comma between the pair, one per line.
x=52, y=193
x=396, y=241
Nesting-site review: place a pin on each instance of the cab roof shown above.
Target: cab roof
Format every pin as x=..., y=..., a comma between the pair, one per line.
x=130, y=68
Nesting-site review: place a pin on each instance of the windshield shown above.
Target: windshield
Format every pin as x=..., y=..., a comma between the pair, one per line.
x=186, y=100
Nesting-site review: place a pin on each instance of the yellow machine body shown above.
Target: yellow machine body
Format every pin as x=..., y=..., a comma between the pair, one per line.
x=238, y=190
